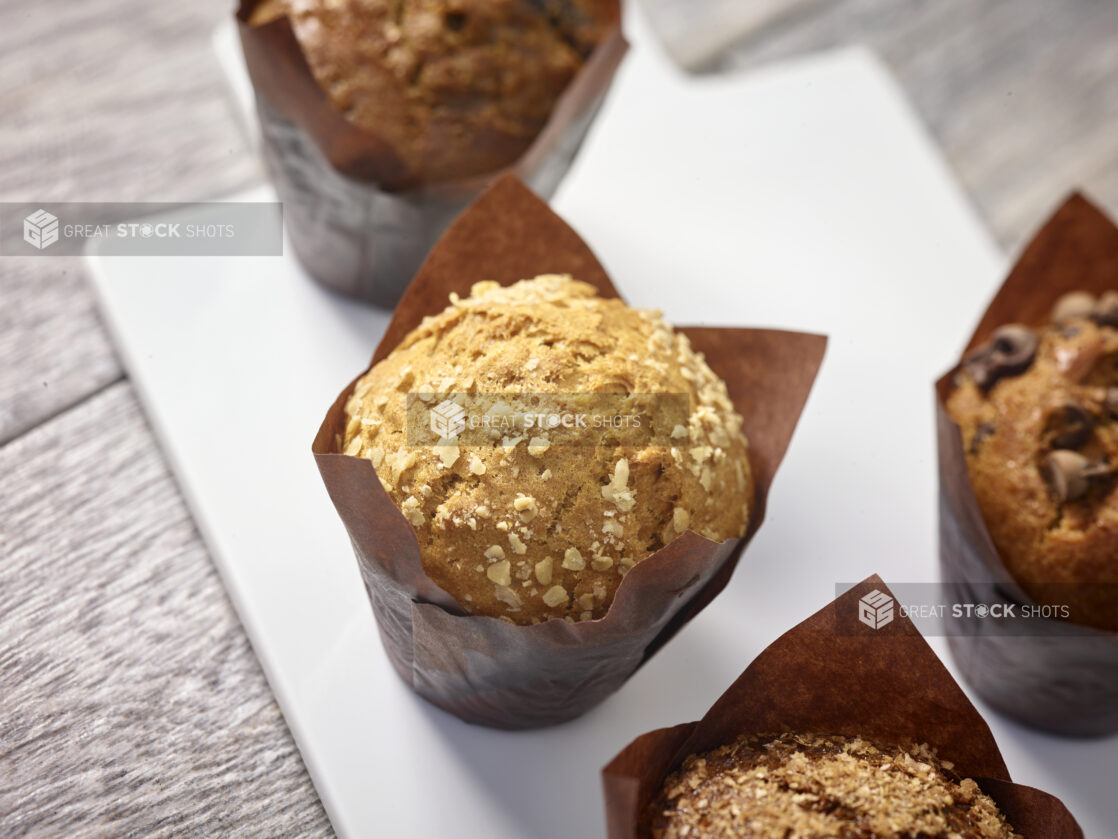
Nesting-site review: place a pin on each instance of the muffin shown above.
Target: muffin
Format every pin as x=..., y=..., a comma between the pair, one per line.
x=380, y=122
x=455, y=87
x=516, y=525
x=833, y=730
x=1038, y=413
x=807, y=785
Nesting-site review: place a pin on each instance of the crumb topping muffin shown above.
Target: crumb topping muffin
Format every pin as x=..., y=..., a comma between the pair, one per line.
x=523, y=528
x=1038, y=411
x=456, y=87
x=806, y=786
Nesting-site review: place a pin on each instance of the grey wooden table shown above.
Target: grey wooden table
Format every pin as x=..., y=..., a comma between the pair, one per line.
x=130, y=700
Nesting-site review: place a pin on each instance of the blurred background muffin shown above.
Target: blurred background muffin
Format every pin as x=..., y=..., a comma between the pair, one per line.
x=1038, y=412
x=525, y=523
x=456, y=87
x=381, y=121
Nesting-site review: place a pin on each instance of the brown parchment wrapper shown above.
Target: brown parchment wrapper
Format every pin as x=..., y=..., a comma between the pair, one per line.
x=359, y=221
x=488, y=671
x=1062, y=679
x=831, y=675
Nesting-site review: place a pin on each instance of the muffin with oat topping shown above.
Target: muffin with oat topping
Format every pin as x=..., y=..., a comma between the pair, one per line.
x=525, y=522
x=806, y=786
x=1038, y=413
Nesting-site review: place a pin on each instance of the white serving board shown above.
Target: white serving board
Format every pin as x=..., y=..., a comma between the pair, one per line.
x=804, y=196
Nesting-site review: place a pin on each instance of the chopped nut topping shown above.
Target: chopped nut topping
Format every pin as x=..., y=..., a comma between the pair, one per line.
x=494, y=552
x=448, y=455
x=616, y=491
x=543, y=571
x=681, y=518
x=525, y=505
x=517, y=544
x=572, y=560
x=601, y=563
x=507, y=596
x=538, y=445
x=612, y=527
x=499, y=573
x=412, y=511
x=554, y=596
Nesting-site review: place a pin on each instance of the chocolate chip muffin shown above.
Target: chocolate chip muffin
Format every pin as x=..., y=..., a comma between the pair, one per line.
x=806, y=786
x=527, y=522
x=455, y=87
x=1038, y=411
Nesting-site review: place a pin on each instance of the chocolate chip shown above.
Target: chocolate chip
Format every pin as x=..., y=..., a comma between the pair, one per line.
x=1069, y=474
x=1112, y=402
x=1063, y=470
x=1074, y=304
x=1105, y=312
x=1009, y=352
x=1068, y=427
x=984, y=430
x=1097, y=470
x=455, y=21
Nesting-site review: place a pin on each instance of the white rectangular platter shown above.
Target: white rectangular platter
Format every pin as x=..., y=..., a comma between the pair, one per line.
x=804, y=196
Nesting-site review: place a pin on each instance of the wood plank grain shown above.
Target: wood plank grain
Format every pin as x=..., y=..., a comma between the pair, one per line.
x=131, y=702
x=104, y=100
x=53, y=348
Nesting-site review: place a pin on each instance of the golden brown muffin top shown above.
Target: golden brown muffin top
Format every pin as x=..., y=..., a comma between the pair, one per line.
x=456, y=87
x=521, y=526
x=1038, y=412
x=806, y=786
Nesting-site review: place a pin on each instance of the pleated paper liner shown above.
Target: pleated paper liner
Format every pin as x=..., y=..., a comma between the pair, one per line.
x=359, y=221
x=832, y=675
x=1061, y=678
x=488, y=671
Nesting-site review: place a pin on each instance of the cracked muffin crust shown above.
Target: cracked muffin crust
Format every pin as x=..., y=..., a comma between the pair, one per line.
x=1038, y=412
x=806, y=786
x=456, y=87
x=522, y=529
